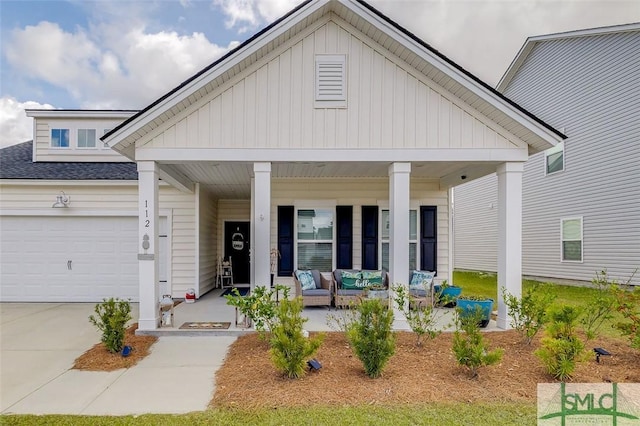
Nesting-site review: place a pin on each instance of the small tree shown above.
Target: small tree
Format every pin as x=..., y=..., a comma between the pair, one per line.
x=529, y=313
x=628, y=304
x=290, y=350
x=600, y=308
x=469, y=346
x=422, y=319
x=259, y=306
x=561, y=348
x=111, y=318
x=371, y=337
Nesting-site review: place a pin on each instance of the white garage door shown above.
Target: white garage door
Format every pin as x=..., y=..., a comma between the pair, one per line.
x=68, y=259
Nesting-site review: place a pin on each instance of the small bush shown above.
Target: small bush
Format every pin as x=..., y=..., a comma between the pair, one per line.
x=561, y=348
x=422, y=320
x=469, y=347
x=371, y=337
x=290, y=350
x=111, y=318
x=529, y=313
x=600, y=308
x=260, y=306
x=628, y=304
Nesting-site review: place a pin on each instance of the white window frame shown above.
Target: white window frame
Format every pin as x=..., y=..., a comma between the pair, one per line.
x=95, y=138
x=315, y=206
x=411, y=241
x=336, y=100
x=69, y=132
x=558, y=148
x=562, y=239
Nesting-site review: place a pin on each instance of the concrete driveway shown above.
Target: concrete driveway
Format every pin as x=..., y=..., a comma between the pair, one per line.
x=40, y=341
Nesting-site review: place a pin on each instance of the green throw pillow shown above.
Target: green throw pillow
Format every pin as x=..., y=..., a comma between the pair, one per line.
x=370, y=278
x=306, y=280
x=351, y=280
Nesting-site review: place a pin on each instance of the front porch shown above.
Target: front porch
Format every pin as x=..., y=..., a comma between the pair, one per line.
x=212, y=307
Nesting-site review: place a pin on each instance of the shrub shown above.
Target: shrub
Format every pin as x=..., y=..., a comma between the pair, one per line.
x=371, y=337
x=111, y=318
x=422, y=320
x=561, y=348
x=529, y=313
x=290, y=350
x=628, y=304
x=600, y=308
x=469, y=347
x=259, y=306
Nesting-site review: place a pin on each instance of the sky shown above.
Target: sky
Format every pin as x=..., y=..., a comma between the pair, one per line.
x=122, y=54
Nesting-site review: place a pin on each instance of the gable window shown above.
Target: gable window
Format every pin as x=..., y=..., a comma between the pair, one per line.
x=331, y=81
x=571, y=239
x=60, y=138
x=554, y=159
x=86, y=138
x=413, y=239
x=315, y=239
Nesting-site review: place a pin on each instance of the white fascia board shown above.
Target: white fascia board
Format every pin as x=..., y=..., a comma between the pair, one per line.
x=456, y=75
x=515, y=65
x=172, y=155
x=53, y=113
x=202, y=80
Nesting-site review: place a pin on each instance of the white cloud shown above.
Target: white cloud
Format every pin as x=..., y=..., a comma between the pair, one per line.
x=109, y=68
x=249, y=14
x=15, y=126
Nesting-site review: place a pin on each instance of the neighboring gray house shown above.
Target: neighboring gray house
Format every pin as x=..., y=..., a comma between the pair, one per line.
x=581, y=199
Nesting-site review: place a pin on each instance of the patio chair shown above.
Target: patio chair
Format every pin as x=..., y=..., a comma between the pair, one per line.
x=313, y=287
x=421, y=289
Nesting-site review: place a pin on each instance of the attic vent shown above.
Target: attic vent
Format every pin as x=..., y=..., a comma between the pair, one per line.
x=331, y=81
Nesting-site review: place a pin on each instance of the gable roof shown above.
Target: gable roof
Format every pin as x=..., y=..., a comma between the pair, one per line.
x=17, y=163
x=538, y=134
x=531, y=42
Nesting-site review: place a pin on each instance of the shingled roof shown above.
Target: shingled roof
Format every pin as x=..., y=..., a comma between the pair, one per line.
x=16, y=163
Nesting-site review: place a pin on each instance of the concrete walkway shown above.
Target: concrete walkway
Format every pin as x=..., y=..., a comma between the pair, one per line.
x=40, y=341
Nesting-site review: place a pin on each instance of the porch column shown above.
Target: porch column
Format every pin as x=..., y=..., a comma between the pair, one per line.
x=261, y=220
x=399, y=196
x=148, y=245
x=509, y=236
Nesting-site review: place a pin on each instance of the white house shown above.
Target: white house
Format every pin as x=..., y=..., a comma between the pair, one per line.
x=581, y=199
x=333, y=117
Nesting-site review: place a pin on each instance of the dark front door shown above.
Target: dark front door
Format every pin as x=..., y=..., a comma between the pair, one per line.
x=236, y=245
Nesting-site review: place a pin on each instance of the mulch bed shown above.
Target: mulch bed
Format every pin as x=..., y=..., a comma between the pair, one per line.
x=414, y=375
x=98, y=358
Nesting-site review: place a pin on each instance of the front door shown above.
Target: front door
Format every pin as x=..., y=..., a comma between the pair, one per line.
x=236, y=245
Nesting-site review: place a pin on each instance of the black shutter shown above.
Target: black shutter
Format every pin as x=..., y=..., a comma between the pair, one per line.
x=369, y=237
x=428, y=238
x=344, y=232
x=285, y=240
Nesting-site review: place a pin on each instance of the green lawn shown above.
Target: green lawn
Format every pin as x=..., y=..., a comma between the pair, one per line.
x=433, y=414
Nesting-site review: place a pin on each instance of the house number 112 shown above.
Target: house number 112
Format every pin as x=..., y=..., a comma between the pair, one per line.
x=147, y=222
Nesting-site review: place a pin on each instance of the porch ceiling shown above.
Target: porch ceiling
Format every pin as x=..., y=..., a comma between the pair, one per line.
x=232, y=180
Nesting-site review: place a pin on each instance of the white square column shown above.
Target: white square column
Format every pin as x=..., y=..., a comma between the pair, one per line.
x=509, y=236
x=399, y=201
x=148, y=245
x=261, y=225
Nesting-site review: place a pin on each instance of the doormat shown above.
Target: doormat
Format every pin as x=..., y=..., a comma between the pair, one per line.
x=205, y=326
x=243, y=291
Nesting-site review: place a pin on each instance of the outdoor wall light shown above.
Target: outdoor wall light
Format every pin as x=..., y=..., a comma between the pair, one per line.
x=62, y=201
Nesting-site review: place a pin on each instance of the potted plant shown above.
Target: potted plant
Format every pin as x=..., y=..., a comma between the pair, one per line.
x=377, y=291
x=468, y=305
x=446, y=294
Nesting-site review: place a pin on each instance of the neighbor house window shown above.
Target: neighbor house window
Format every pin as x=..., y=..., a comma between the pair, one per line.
x=331, y=81
x=554, y=158
x=86, y=138
x=104, y=144
x=572, y=239
x=315, y=239
x=413, y=239
x=60, y=138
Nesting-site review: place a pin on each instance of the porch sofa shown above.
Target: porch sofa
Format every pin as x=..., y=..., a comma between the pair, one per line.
x=316, y=293
x=346, y=295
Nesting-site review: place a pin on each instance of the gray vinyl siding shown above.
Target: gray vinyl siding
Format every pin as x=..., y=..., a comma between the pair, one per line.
x=588, y=86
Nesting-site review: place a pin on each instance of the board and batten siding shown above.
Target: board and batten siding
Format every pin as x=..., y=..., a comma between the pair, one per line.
x=587, y=86
x=358, y=193
x=207, y=237
x=100, y=199
x=42, y=140
x=389, y=105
